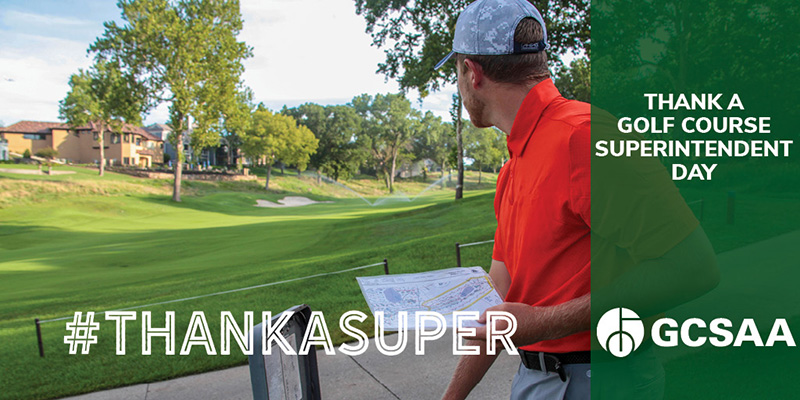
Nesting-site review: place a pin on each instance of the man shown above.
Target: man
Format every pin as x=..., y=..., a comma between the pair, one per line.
x=541, y=258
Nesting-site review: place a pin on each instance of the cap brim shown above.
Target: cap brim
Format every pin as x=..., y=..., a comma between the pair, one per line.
x=444, y=60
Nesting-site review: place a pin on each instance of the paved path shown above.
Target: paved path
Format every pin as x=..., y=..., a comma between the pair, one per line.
x=372, y=376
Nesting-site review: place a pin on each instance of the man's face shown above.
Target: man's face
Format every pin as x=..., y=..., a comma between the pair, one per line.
x=475, y=106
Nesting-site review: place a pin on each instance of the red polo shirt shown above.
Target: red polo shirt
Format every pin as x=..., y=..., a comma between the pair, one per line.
x=543, y=207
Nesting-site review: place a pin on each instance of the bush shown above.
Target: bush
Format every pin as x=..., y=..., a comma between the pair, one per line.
x=48, y=153
x=26, y=153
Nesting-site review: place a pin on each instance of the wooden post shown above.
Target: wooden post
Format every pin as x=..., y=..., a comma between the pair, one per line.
x=385, y=266
x=39, y=337
x=458, y=254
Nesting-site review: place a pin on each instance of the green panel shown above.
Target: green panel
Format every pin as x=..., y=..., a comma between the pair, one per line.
x=649, y=254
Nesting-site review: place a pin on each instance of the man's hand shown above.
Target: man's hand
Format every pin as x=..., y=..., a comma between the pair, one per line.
x=536, y=324
x=531, y=323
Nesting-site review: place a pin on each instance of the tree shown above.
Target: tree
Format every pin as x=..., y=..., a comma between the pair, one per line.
x=103, y=98
x=434, y=141
x=185, y=53
x=501, y=146
x=340, y=152
x=574, y=82
x=277, y=137
x=480, y=145
x=416, y=34
x=389, y=123
x=300, y=145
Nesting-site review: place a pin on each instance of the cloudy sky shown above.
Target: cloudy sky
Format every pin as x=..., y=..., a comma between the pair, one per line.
x=43, y=42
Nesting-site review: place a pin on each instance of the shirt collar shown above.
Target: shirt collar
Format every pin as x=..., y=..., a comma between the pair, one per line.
x=536, y=101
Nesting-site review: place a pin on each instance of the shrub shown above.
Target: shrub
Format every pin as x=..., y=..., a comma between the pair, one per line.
x=48, y=153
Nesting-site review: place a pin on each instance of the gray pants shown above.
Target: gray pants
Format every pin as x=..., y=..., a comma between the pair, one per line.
x=639, y=376
x=533, y=384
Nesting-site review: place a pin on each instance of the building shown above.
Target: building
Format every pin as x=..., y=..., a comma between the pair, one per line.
x=4, y=150
x=134, y=146
x=210, y=156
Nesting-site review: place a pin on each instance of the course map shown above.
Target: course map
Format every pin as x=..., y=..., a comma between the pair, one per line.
x=443, y=291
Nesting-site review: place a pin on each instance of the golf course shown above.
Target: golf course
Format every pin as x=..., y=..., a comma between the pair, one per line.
x=79, y=242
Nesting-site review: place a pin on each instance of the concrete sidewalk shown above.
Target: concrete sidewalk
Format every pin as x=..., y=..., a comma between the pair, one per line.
x=372, y=376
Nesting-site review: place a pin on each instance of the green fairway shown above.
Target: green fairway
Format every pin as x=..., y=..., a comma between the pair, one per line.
x=121, y=243
x=83, y=243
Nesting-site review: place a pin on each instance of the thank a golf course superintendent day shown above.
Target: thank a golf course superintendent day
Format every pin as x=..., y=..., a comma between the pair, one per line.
x=702, y=147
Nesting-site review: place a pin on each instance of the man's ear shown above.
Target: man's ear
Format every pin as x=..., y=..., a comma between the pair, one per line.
x=475, y=75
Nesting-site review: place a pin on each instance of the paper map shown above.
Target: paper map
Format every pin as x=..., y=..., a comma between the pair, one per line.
x=443, y=291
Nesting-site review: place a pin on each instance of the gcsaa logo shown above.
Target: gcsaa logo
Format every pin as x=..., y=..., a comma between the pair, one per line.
x=620, y=331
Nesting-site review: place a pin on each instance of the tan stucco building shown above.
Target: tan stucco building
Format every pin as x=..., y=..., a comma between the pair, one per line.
x=134, y=146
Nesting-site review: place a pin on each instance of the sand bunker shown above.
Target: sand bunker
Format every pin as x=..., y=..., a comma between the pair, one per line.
x=289, y=201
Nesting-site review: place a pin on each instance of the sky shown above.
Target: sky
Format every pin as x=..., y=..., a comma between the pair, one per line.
x=43, y=42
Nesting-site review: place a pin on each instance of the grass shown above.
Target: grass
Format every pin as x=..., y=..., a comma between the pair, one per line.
x=81, y=243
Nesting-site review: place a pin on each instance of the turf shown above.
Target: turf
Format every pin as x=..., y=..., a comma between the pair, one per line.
x=82, y=243
x=118, y=241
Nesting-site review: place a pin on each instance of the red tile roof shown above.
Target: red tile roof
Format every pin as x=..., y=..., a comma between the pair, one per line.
x=46, y=127
x=33, y=127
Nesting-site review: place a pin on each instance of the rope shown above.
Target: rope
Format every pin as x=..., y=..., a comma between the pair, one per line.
x=223, y=292
x=476, y=243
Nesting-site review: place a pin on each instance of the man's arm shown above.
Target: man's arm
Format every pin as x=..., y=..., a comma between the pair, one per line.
x=537, y=324
x=684, y=273
x=471, y=368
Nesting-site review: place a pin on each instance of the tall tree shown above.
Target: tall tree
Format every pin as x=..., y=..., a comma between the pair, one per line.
x=574, y=82
x=277, y=137
x=434, y=141
x=338, y=128
x=389, y=124
x=480, y=146
x=501, y=146
x=186, y=54
x=103, y=98
x=300, y=145
x=236, y=123
x=416, y=34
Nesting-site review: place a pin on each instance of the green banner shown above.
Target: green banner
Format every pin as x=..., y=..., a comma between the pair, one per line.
x=695, y=199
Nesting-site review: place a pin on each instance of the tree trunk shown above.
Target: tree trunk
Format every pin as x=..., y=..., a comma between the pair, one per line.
x=299, y=173
x=269, y=172
x=442, y=177
x=178, y=168
x=394, y=170
x=319, y=177
x=460, y=151
x=283, y=169
x=102, y=150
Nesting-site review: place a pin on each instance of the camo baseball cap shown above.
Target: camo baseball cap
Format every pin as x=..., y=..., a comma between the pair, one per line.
x=486, y=27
